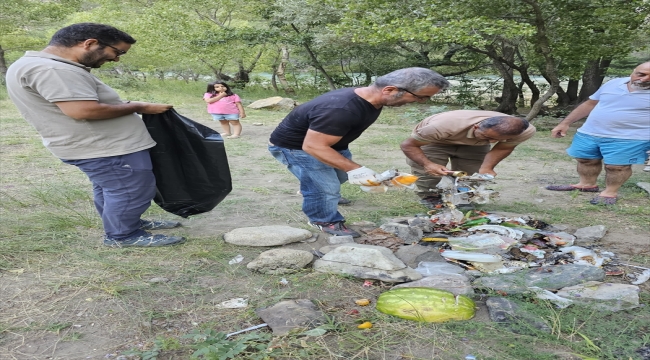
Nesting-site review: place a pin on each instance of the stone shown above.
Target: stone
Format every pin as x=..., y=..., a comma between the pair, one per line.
x=413, y=254
x=366, y=262
x=280, y=261
x=552, y=277
x=345, y=239
x=603, y=296
x=559, y=227
x=423, y=223
x=274, y=103
x=365, y=255
x=410, y=234
x=509, y=314
x=272, y=235
x=297, y=315
x=456, y=284
x=590, y=233
x=327, y=248
x=158, y=280
x=645, y=186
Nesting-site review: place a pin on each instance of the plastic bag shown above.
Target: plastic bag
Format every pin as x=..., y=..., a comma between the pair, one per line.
x=391, y=179
x=189, y=163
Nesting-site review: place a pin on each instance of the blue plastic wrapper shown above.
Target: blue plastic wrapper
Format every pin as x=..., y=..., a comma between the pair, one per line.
x=189, y=163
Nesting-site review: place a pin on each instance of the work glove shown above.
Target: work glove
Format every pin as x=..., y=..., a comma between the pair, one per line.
x=363, y=176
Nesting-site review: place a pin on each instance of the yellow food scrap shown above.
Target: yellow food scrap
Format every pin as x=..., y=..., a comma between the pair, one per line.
x=362, y=302
x=365, y=325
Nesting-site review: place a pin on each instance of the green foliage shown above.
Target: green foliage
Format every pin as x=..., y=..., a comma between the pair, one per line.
x=212, y=345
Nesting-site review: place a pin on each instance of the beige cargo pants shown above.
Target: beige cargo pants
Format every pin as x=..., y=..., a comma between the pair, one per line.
x=461, y=157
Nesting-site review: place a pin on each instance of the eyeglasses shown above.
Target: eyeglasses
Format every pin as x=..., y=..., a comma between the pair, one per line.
x=420, y=97
x=118, y=51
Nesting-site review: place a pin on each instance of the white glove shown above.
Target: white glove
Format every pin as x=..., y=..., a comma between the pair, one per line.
x=363, y=176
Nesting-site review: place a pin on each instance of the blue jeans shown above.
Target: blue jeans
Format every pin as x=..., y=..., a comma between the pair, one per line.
x=320, y=184
x=123, y=187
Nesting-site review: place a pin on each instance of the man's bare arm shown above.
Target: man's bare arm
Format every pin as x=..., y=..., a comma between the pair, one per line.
x=494, y=157
x=319, y=145
x=582, y=111
x=413, y=150
x=94, y=110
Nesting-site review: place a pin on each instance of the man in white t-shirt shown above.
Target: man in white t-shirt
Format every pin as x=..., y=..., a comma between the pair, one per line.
x=616, y=133
x=83, y=122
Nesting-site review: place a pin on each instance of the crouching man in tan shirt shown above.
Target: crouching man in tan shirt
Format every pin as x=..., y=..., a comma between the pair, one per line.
x=462, y=138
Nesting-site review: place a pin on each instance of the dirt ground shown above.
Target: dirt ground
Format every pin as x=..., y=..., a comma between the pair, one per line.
x=264, y=194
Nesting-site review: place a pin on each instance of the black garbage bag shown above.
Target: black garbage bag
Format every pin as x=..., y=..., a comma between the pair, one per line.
x=189, y=163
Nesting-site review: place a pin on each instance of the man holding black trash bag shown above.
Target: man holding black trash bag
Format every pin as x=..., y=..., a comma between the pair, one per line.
x=312, y=140
x=84, y=122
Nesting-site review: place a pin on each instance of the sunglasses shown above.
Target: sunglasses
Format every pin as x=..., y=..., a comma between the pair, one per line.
x=420, y=97
x=118, y=51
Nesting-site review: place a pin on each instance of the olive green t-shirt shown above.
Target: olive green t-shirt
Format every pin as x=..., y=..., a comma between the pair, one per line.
x=456, y=128
x=38, y=80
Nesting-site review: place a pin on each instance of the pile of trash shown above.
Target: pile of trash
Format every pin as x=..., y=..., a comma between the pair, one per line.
x=459, y=189
x=495, y=244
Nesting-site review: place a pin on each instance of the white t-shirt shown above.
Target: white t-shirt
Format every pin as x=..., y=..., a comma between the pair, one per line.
x=619, y=114
x=38, y=80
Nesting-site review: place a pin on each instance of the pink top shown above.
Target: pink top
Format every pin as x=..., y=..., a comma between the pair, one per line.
x=226, y=105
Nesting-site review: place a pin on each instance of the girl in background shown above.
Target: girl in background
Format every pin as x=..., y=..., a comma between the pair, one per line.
x=225, y=107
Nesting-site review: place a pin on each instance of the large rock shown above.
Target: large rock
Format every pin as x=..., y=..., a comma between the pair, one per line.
x=366, y=262
x=590, y=233
x=289, y=315
x=413, y=254
x=272, y=235
x=275, y=103
x=280, y=261
x=604, y=296
x=456, y=284
x=552, y=277
x=410, y=234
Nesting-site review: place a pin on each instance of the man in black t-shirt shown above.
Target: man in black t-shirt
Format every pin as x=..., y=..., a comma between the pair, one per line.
x=312, y=141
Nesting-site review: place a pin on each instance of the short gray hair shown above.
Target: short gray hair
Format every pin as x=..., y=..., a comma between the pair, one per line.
x=413, y=79
x=505, y=125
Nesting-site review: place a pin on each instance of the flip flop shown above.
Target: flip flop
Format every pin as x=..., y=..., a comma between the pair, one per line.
x=603, y=200
x=571, y=188
x=233, y=137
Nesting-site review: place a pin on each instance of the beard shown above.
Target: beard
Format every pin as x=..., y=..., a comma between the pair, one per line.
x=94, y=59
x=640, y=85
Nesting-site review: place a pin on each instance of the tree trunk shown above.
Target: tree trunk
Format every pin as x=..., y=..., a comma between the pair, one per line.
x=315, y=62
x=572, y=91
x=592, y=77
x=543, y=47
x=562, y=97
x=274, y=82
x=280, y=72
x=534, y=90
x=510, y=92
x=3, y=65
x=242, y=76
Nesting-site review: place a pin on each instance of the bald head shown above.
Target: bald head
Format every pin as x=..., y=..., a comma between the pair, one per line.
x=640, y=77
x=504, y=125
